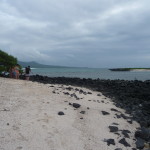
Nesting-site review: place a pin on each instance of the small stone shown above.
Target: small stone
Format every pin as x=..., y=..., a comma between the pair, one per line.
x=8, y=124
x=130, y=121
x=115, y=123
x=112, y=109
x=105, y=113
x=89, y=93
x=124, y=142
x=110, y=141
x=118, y=116
x=113, y=128
x=66, y=93
x=125, y=133
x=61, y=113
x=82, y=112
x=51, y=86
x=76, y=105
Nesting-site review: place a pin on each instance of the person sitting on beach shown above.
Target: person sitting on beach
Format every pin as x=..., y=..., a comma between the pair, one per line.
x=17, y=71
x=27, y=72
x=14, y=72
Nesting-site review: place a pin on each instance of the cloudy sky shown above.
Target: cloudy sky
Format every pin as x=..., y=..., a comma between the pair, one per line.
x=85, y=33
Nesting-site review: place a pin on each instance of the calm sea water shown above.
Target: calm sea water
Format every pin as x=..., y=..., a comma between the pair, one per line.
x=92, y=73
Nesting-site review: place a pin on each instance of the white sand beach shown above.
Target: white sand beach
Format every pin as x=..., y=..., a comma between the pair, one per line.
x=140, y=70
x=29, y=118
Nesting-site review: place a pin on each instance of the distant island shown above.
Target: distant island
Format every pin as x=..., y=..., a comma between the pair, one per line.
x=130, y=69
x=34, y=64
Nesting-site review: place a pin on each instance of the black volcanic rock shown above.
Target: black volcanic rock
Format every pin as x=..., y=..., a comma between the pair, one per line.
x=74, y=95
x=113, y=128
x=89, y=93
x=66, y=93
x=69, y=88
x=112, y=109
x=110, y=141
x=105, y=113
x=61, y=113
x=139, y=143
x=76, y=105
x=125, y=133
x=124, y=142
x=143, y=133
x=115, y=123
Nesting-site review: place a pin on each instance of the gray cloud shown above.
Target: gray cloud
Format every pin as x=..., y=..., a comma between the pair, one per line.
x=92, y=33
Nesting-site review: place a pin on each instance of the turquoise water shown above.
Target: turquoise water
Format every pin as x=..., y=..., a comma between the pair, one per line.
x=93, y=73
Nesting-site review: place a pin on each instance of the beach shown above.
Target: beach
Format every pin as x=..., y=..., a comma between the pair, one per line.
x=35, y=116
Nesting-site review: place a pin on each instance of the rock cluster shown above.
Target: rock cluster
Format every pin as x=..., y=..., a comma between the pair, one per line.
x=133, y=96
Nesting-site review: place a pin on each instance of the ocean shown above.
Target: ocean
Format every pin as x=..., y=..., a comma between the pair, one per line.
x=94, y=73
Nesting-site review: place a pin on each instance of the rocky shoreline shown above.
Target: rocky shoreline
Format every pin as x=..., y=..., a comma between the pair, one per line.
x=132, y=96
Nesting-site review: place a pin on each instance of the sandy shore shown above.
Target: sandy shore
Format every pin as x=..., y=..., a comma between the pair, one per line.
x=140, y=70
x=29, y=118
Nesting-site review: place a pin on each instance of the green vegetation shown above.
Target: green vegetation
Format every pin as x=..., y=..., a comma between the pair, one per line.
x=7, y=61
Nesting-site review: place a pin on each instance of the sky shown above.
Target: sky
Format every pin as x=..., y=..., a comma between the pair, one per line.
x=81, y=33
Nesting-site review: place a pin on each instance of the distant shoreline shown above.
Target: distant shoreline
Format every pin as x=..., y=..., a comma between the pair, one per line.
x=130, y=69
